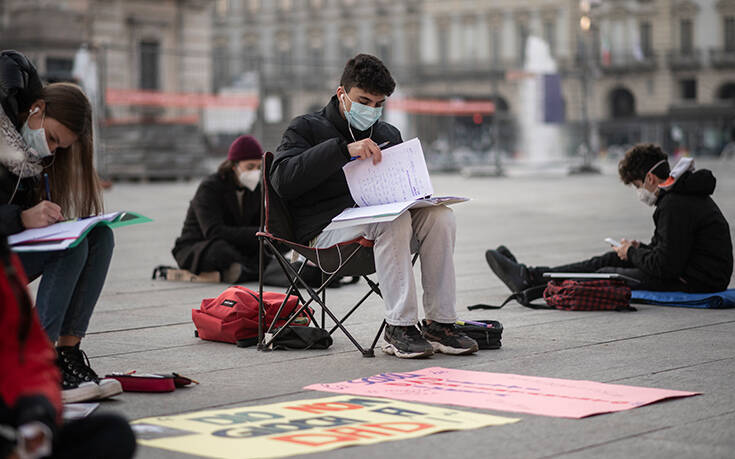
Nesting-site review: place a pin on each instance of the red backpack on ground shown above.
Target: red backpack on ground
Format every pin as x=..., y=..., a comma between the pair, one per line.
x=232, y=317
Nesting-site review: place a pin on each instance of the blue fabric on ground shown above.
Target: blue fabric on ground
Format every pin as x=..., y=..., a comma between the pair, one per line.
x=721, y=300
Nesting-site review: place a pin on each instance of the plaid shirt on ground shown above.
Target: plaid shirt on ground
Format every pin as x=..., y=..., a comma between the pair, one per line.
x=591, y=295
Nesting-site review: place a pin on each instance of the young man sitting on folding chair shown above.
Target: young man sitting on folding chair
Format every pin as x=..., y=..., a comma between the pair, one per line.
x=307, y=174
x=691, y=249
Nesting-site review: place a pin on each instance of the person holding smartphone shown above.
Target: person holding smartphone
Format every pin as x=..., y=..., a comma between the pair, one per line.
x=691, y=247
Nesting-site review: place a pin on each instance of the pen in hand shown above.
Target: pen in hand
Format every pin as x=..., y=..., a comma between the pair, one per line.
x=384, y=144
x=48, y=188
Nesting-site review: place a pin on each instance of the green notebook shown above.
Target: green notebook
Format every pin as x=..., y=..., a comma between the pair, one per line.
x=124, y=219
x=70, y=233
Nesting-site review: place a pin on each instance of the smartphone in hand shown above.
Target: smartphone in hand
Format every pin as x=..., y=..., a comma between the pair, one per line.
x=612, y=242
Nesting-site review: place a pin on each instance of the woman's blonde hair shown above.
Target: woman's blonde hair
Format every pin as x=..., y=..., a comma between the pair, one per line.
x=74, y=181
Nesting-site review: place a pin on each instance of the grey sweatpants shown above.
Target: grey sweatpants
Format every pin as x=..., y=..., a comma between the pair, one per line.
x=431, y=232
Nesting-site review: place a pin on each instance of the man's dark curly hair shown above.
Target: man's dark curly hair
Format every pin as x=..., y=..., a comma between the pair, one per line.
x=368, y=73
x=639, y=160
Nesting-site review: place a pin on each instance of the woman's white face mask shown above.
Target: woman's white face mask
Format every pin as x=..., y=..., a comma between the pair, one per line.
x=36, y=138
x=249, y=179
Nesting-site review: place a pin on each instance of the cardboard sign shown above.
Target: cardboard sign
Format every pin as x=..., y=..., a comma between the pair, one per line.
x=302, y=427
x=505, y=392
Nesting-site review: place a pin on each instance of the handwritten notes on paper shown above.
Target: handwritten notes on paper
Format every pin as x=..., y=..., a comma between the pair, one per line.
x=401, y=176
x=385, y=190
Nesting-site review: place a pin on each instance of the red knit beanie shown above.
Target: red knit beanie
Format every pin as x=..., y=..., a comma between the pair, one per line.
x=243, y=148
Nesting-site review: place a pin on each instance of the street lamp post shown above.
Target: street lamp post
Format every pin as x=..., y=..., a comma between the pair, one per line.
x=585, y=62
x=494, y=75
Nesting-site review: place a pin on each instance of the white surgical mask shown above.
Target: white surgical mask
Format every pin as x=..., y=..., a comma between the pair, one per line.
x=249, y=179
x=361, y=116
x=36, y=138
x=647, y=197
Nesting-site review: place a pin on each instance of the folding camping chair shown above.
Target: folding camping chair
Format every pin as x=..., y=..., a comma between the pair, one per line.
x=349, y=258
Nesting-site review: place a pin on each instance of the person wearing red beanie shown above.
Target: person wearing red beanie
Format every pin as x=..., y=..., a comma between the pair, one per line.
x=223, y=217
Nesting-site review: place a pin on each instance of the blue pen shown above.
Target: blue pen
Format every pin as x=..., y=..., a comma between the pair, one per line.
x=48, y=188
x=379, y=146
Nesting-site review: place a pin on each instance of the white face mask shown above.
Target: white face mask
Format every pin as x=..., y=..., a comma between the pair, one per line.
x=646, y=197
x=249, y=179
x=36, y=138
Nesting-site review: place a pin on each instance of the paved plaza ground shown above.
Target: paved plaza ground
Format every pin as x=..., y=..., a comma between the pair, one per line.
x=549, y=219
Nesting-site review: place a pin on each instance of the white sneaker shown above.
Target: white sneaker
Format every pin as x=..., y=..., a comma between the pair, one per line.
x=73, y=393
x=109, y=387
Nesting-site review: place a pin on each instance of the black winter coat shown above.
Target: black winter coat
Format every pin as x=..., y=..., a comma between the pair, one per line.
x=19, y=88
x=214, y=213
x=692, y=240
x=307, y=169
x=26, y=197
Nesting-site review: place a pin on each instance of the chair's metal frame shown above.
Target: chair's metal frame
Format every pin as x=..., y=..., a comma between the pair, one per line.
x=355, y=252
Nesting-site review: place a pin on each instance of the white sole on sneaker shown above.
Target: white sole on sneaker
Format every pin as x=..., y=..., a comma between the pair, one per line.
x=109, y=387
x=439, y=347
x=82, y=393
x=392, y=350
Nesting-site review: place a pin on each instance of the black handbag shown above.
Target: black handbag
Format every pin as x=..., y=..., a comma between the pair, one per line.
x=302, y=338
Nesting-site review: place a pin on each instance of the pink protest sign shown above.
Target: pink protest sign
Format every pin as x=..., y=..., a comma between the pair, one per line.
x=563, y=398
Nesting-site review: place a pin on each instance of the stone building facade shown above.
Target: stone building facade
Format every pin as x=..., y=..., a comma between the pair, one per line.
x=653, y=67
x=141, y=49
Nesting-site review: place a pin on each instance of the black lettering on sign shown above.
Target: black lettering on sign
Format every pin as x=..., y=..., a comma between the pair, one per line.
x=273, y=428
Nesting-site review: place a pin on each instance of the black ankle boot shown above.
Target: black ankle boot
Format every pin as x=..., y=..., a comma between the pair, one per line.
x=514, y=275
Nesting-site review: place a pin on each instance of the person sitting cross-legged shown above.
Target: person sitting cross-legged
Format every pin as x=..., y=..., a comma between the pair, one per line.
x=219, y=230
x=691, y=248
x=307, y=174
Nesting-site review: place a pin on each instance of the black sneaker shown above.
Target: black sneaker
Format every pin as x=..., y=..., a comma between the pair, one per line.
x=75, y=368
x=504, y=251
x=406, y=342
x=73, y=390
x=513, y=275
x=445, y=338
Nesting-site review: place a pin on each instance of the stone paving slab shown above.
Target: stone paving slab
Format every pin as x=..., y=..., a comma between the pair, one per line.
x=545, y=219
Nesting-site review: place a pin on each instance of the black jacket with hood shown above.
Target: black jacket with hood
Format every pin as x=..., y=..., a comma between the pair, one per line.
x=20, y=86
x=691, y=242
x=307, y=169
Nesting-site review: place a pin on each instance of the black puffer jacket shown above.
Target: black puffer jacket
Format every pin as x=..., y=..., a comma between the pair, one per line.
x=25, y=197
x=307, y=169
x=20, y=86
x=691, y=241
x=215, y=213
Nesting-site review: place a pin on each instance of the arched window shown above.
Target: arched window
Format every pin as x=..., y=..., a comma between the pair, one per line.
x=622, y=103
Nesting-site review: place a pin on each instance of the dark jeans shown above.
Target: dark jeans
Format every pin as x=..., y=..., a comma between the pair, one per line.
x=609, y=262
x=71, y=282
x=97, y=436
x=220, y=254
